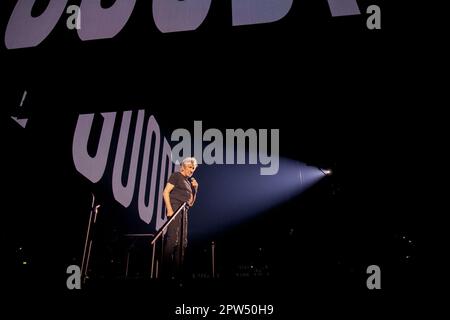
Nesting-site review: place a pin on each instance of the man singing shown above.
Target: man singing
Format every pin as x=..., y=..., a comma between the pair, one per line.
x=180, y=188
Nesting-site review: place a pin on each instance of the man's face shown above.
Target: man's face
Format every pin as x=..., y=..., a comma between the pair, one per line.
x=188, y=169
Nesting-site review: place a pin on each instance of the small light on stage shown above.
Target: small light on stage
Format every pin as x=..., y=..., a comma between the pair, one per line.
x=24, y=262
x=246, y=200
x=326, y=172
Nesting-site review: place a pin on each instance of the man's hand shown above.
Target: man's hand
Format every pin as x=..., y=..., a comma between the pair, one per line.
x=194, y=183
x=166, y=195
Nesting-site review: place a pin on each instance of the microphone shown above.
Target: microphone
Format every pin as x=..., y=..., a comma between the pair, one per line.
x=192, y=179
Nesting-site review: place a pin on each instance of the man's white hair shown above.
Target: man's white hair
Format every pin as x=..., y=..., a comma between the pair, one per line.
x=189, y=160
